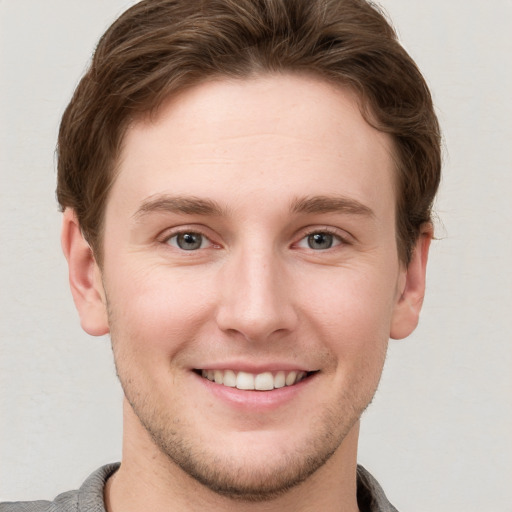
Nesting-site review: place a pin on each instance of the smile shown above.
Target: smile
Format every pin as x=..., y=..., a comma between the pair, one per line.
x=265, y=381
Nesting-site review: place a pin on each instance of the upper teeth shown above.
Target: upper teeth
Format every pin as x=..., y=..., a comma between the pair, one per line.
x=248, y=381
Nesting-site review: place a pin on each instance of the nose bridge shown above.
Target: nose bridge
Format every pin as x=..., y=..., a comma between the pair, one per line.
x=255, y=294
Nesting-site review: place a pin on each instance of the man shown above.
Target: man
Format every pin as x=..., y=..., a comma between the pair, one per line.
x=246, y=188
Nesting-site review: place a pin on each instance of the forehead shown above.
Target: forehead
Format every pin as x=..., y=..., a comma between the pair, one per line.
x=277, y=136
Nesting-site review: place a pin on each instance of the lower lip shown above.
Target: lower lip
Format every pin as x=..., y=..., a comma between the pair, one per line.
x=256, y=401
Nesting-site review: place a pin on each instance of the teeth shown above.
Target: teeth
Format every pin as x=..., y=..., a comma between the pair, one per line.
x=245, y=380
x=265, y=381
x=279, y=380
x=290, y=378
x=229, y=378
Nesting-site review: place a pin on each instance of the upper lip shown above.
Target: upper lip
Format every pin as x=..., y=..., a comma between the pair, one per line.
x=255, y=368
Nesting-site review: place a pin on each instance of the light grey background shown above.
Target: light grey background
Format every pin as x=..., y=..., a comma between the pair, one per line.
x=438, y=435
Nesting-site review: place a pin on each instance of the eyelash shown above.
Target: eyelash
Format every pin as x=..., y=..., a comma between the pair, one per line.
x=169, y=236
x=341, y=240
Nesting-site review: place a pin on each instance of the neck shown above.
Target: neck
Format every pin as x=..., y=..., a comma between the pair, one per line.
x=148, y=480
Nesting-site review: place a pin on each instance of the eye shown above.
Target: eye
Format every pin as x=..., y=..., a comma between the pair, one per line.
x=320, y=241
x=188, y=241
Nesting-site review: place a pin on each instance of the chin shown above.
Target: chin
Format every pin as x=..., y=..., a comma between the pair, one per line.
x=251, y=466
x=253, y=475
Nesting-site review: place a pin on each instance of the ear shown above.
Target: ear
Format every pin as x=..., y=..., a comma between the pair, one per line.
x=412, y=287
x=84, y=277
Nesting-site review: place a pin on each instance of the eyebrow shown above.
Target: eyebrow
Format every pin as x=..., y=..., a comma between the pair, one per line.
x=191, y=205
x=178, y=204
x=330, y=204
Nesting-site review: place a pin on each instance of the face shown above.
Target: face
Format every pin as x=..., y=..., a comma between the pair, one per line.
x=251, y=278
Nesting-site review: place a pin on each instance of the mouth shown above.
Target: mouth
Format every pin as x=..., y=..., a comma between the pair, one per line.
x=266, y=381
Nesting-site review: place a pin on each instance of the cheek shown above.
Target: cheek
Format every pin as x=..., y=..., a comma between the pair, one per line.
x=353, y=310
x=157, y=311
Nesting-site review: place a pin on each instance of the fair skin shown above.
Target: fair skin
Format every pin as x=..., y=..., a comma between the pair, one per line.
x=250, y=232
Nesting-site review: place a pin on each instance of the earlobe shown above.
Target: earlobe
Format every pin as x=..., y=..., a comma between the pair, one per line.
x=84, y=277
x=408, y=306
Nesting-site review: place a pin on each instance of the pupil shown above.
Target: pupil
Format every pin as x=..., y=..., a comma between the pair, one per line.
x=320, y=241
x=189, y=241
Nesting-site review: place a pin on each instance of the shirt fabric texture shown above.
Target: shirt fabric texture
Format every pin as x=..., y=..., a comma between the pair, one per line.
x=89, y=498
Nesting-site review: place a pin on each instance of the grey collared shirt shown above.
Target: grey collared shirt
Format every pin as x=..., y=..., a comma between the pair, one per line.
x=89, y=498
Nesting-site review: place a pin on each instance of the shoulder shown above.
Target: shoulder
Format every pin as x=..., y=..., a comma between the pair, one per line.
x=370, y=495
x=24, y=506
x=89, y=498
x=65, y=502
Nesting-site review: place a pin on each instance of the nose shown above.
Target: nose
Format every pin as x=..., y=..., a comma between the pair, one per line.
x=256, y=296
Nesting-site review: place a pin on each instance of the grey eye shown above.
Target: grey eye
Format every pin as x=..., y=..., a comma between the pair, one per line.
x=320, y=241
x=187, y=241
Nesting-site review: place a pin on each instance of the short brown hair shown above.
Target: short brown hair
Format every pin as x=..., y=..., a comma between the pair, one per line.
x=160, y=47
